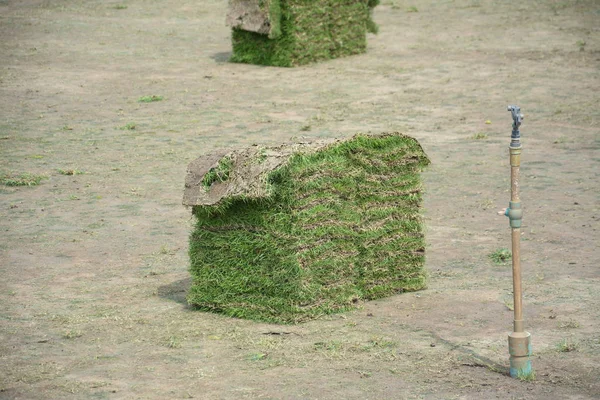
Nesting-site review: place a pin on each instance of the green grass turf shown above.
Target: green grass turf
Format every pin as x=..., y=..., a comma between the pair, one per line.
x=340, y=225
x=308, y=31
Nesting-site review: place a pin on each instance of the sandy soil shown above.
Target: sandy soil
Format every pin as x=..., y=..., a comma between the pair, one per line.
x=94, y=265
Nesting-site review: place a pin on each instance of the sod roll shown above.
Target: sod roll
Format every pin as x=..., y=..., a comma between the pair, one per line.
x=288, y=33
x=290, y=233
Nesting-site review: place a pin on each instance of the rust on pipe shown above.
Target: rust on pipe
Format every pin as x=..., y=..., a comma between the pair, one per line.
x=515, y=164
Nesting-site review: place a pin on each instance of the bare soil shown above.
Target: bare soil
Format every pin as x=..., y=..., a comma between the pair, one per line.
x=94, y=265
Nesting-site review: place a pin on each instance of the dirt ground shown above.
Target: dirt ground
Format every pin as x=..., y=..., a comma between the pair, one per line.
x=94, y=265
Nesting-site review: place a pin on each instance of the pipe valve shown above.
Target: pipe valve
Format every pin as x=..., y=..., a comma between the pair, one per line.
x=514, y=214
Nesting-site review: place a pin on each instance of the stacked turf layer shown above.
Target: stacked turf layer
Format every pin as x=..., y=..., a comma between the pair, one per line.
x=330, y=225
x=306, y=31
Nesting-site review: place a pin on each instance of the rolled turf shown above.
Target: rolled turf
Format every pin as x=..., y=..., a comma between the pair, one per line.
x=290, y=233
x=303, y=31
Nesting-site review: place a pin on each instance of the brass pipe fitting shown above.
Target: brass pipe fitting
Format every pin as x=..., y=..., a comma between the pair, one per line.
x=514, y=214
x=519, y=348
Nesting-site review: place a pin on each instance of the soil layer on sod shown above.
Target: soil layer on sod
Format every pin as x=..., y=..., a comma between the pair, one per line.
x=287, y=33
x=286, y=234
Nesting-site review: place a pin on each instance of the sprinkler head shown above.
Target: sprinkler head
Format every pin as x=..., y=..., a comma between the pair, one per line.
x=515, y=137
x=516, y=115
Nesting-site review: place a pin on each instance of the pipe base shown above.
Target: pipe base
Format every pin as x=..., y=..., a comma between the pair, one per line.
x=519, y=347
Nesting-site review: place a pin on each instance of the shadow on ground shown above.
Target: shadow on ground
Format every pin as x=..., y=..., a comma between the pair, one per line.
x=176, y=291
x=221, y=57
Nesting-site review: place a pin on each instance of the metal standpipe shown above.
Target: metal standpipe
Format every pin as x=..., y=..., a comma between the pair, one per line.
x=519, y=341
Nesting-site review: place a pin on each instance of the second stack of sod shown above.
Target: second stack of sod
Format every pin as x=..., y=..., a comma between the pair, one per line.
x=307, y=31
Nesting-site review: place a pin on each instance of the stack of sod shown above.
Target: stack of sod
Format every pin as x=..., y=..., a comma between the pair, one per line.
x=296, y=32
x=290, y=233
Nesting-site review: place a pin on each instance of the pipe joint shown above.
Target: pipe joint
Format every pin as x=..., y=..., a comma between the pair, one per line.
x=519, y=347
x=515, y=156
x=514, y=214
